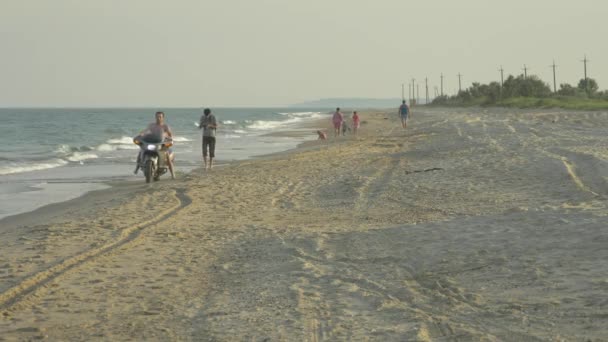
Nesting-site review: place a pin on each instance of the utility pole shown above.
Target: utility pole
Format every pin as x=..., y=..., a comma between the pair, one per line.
x=585, y=63
x=417, y=93
x=426, y=85
x=442, y=84
x=409, y=92
x=586, y=82
x=554, y=83
x=502, y=81
x=402, y=91
x=459, y=83
x=413, y=89
x=525, y=72
x=502, y=77
x=436, y=91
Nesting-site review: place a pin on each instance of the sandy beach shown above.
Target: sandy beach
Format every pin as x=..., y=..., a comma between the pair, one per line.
x=470, y=225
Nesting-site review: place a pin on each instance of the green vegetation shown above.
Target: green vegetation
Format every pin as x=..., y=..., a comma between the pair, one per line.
x=529, y=92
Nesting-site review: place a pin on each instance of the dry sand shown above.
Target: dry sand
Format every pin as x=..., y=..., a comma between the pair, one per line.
x=469, y=225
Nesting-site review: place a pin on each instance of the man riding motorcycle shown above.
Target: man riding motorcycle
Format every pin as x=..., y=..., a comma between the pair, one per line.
x=161, y=130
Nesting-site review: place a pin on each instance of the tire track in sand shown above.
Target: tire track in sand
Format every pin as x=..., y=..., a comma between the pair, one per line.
x=583, y=174
x=36, y=282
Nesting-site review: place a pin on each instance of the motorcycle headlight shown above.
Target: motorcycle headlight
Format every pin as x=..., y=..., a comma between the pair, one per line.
x=151, y=147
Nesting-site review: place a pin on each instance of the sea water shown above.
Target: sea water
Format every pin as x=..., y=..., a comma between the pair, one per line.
x=52, y=155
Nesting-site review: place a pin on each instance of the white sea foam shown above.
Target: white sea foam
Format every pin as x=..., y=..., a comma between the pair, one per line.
x=292, y=119
x=124, y=141
x=64, y=149
x=110, y=148
x=181, y=139
x=28, y=167
x=67, y=149
x=303, y=114
x=268, y=125
x=128, y=141
x=228, y=122
x=80, y=156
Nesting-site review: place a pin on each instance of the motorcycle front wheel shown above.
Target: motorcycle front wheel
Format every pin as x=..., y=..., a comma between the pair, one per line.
x=148, y=170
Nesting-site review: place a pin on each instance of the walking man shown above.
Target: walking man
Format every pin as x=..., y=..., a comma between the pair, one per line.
x=208, y=124
x=404, y=112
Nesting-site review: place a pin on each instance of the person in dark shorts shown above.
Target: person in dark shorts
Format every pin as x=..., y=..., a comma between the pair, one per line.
x=404, y=113
x=208, y=124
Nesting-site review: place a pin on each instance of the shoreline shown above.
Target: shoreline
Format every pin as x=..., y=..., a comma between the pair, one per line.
x=53, y=211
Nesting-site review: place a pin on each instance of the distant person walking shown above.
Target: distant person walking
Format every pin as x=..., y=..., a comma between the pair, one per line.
x=208, y=124
x=337, y=120
x=356, y=122
x=404, y=113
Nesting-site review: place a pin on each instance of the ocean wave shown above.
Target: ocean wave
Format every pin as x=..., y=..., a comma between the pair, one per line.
x=116, y=144
x=228, y=122
x=28, y=167
x=110, y=148
x=268, y=125
x=128, y=141
x=80, y=156
x=302, y=114
x=181, y=139
x=67, y=149
x=120, y=141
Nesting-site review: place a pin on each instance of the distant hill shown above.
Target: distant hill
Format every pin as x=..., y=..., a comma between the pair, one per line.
x=358, y=103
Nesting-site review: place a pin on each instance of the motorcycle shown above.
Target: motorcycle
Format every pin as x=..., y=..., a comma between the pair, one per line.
x=153, y=156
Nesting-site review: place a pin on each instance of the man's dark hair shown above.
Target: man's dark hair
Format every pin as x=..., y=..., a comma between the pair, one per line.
x=338, y=109
x=207, y=111
x=161, y=113
x=403, y=101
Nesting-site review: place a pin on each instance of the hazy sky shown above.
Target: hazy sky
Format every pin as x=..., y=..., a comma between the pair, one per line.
x=278, y=52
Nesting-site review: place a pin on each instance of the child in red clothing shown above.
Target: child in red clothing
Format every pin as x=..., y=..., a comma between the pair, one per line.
x=356, y=122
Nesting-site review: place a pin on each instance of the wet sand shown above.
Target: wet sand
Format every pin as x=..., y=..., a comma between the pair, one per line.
x=470, y=225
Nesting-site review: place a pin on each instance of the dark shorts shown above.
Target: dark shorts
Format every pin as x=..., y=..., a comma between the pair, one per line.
x=209, y=142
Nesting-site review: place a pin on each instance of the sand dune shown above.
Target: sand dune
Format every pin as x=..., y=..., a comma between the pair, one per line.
x=470, y=225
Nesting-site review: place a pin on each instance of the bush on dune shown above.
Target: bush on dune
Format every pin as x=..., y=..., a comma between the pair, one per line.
x=529, y=92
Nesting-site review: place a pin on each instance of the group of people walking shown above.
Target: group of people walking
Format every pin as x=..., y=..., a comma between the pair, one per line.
x=340, y=125
x=208, y=124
